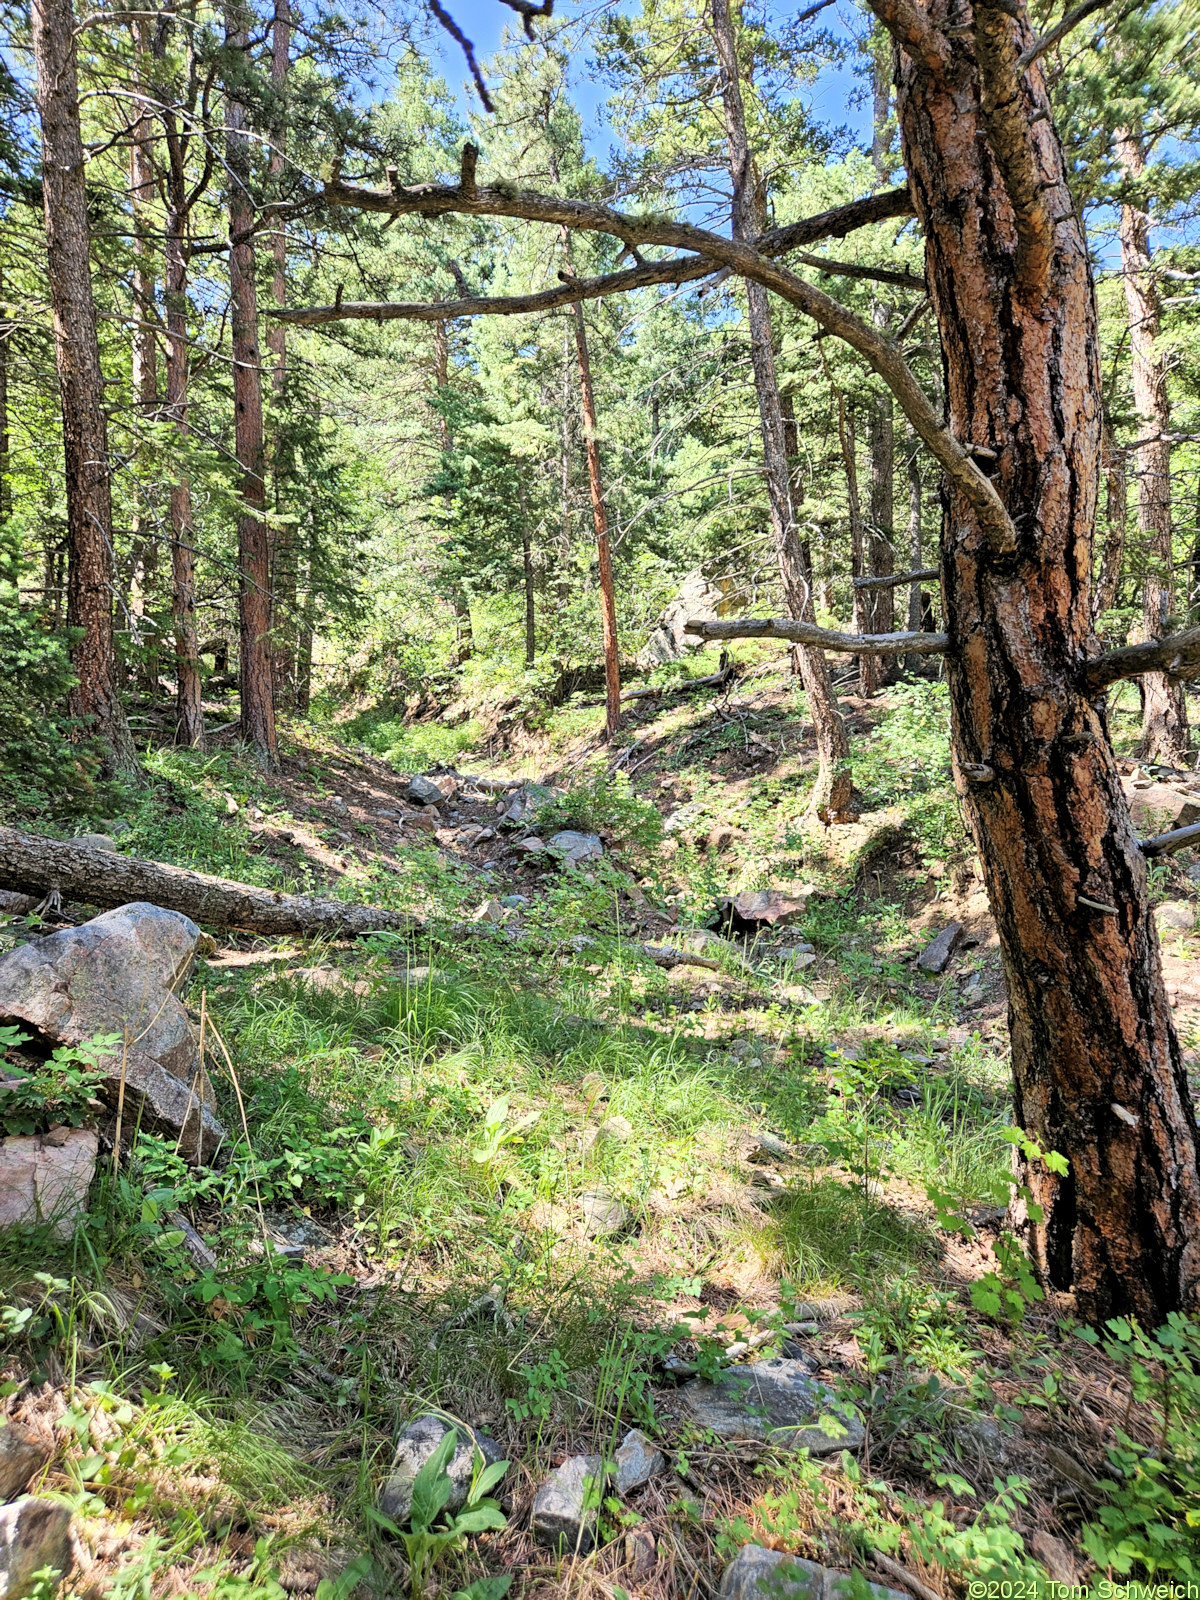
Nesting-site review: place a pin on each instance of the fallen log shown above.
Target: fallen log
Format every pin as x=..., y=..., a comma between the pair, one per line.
x=31, y=864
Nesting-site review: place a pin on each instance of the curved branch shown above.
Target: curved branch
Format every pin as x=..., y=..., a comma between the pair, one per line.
x=854, y=644
x=1178, y=656
x=748, y=261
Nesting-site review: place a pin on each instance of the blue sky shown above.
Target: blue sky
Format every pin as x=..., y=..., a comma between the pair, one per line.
x=484, y=22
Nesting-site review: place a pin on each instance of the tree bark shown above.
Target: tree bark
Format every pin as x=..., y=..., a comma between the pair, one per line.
x=914, y=534
x=1112, y=461
x=256, y=674
x=1096, y=1065
x=285, y=546
x=1164, y=708
x=143, y=533
x=90, y=564
x=832, y=799
x=6, y=332
x=881, y=559
x=31, y=864
x=608, y=601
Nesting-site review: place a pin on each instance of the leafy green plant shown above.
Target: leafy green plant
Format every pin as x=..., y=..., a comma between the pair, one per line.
x=1004, y=1294
x=432, y=1531
x=60, y=1091
x=1152, y=1518
x=604, y=802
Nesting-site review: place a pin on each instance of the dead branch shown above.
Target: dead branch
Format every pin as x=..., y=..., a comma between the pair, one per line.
x=851, y=269
x=897, y=580
x=1166, y=844
x=1178, y=655
x=855, y=644
x=748, y=261
x=1060, y=29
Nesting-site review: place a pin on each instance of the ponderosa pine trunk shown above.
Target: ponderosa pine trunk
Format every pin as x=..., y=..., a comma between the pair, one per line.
x=1096, y=1065
x=1116, y=507
x=832, y=799
x=1164, y=708
x=608, y=599
x=881, y=515
x=256, y=674
x=90, y=562
x=144, y=368
x=189, y=711
x=285, y=546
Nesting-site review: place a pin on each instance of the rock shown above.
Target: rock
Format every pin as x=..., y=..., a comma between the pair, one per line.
x=96, y=841
x=603, y=1214
x=759, y=1574
x=45, y=1178
x=413, y=1449
x=776, y=1400
x=22, y=1454
x=800, y=959
x=336, y=803
x=700, y=599
x=532, y=847
x=641, y=1552
x=490, y=911
x=123, y=970
x=1056, y=1557
x=565, y=1508
x=637, y=1462
x=615, y=1130
x=522, y=808
x=571, y=848
x=514, y=902
x=767, y=1147
x=34, y=1533
x=936, y=955
x=759, y=908
x=1177, y=915
x=422, y=792
x=1158, y=807
x=682, y=818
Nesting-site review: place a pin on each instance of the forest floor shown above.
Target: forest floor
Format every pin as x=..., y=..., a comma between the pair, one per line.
x=812, y=1132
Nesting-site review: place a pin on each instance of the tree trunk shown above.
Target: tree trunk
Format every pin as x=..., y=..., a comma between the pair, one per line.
x=1112, y=461
x=6, y=332
x=90, y=566
x=608, y=601
x=254, y=558
x=190, y=715
x=881, y=561
x=832, y=799
x=285, y=551
x=31, y=864
x=143, y=533
x=1096, y=1065
x=860, y=600
x=1164, y=708
x=915, y=559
